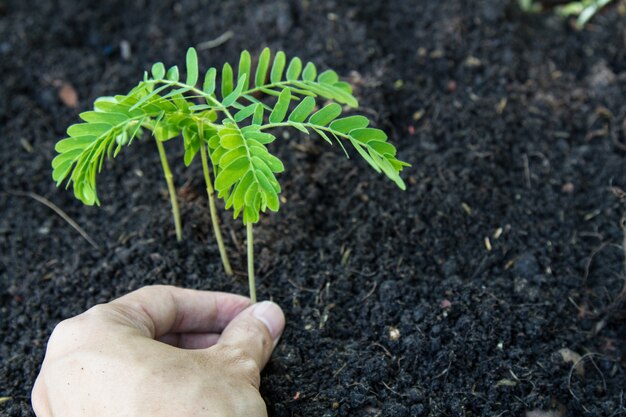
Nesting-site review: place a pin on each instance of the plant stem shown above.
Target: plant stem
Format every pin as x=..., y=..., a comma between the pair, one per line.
x=172, y=190
x=251, y=262
x=214, y=220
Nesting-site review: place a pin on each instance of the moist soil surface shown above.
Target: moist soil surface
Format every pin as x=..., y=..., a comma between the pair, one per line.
x=453, y=298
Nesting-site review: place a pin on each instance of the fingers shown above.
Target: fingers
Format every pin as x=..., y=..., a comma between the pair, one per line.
x=158, y=310
x=190, y=340
x=255, y=331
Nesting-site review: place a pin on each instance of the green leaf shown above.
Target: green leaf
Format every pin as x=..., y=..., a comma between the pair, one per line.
x=271, y=200
x=60, y=172
x=294, y=69
x=384, y=148
x=158, y=70
x=274, y=163
x=262, y=66
x=232, y=173
x=216, y=154
x=245, y=63
x=323, y=135
x=209, y=81
x=264, y=182
x=328, y=91
x=368, y=134
x=236, y=93
x=344, y=86
x=328, y=77
x=230, y=138
x=240, y=192
x=270, y=92
x=78, y=142
x=192, y=67
x=262, y=137
x=149, y=96
x=359, y=147
x=245, y=112
x=66, y=156
x=300, y=127
x=251, y=193
x=199, y=107
x=102, y=117
x=213, y=142
x=84, y=192
x=281, y=107
x=326, y=115
x=257, y=119
x=346, y=124
x=91, y=129
x=310, y=72
x=172, y=74
x=227, y=80
x=278, y=67
x=233, y=154
x=302, y=110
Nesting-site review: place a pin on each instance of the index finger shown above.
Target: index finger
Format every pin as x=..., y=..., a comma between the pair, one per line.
x=160, y=309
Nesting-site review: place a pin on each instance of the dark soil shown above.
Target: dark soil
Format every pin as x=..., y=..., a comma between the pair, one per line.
x=515, y=129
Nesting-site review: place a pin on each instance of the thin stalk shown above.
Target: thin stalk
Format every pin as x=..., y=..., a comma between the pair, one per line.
x=214, y=221
x=172, y=190
x=251, y=262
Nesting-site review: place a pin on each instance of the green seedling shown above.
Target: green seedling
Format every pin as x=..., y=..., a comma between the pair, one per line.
x=230, y=127
x=583, y=10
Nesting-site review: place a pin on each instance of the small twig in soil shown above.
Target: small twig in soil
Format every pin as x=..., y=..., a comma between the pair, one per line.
x=301, y=288
x=571, y=371
x=369, y=294
x=619, y=145
x=58, y=211
x=526, y=170
x=593, y=255
x=383, y=348
x=214, y=43
x=363, y=274
x=622, y=224
x=338, y=371
x=391, y=389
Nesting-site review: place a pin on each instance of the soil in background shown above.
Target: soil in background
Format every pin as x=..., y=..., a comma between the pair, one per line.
x=453, y=298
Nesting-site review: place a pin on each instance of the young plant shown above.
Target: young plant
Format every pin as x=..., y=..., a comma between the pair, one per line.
x=229, y=127
x=584, y=10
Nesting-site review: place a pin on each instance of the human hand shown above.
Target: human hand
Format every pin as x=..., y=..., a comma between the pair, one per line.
x=160, y=352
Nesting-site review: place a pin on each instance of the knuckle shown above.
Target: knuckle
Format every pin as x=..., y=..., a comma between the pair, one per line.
x=150, y=290
x=63, y=330
x=241, y=360
x=99, y=310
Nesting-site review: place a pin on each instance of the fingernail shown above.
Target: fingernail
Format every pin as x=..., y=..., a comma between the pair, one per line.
x=272, y=316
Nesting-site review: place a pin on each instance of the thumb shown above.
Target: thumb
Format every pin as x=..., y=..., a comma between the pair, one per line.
x=255, y=331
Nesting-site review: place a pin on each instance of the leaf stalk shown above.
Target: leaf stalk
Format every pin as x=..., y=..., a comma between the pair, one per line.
x=214, y=219
x=251, y=282
x=167, y=173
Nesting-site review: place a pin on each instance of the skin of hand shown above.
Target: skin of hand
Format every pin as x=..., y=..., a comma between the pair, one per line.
x=160, y=351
